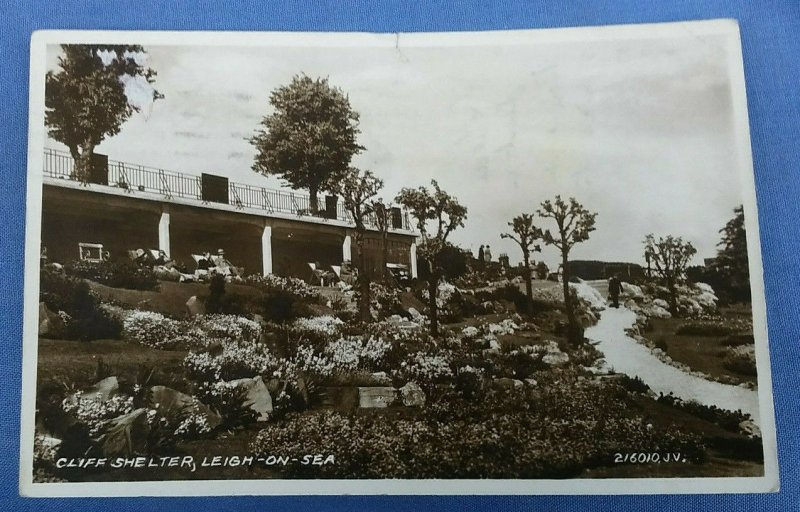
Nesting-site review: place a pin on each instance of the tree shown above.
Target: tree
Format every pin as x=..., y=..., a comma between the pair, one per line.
x=310, y=137
x=670, y=255
x=86, y=100
x=574, y=223
x=732, y=262
x=525, y=234
x=437, y=215
x=542, y=271
x=358, y=190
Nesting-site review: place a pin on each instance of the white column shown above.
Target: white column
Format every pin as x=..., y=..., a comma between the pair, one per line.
x=347, y=254
x=163, y=233
x=266, y=250
x=413, y=257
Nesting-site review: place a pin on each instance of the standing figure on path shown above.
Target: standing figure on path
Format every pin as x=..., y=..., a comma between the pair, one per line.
x=481, y=261
x=614, y=290
x=487, y=253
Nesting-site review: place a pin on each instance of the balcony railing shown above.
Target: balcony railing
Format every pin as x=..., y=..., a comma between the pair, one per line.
x=134, y=178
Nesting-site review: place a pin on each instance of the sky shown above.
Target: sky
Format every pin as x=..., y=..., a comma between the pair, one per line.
x=638, y=130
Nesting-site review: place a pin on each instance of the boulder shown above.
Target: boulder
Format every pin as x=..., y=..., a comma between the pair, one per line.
x=631, y=291
x=172, y=404
x=257, y=398
x=376, y=397
x=556, y=358
x=195, y=306
x=507, y=383
x=126, y=435
x=656, y=311
x=50, y=324
x=412, y=395
x=409, y=301
x=99, y=392
x=661, y=303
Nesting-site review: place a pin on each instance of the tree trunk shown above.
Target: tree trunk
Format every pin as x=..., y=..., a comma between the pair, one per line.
x=528, y=285
x=433, y=290
x=83, y=161
x=384, y=256
x=313, y=190
x=673, y=298
x=572, y=323
x=363, y=281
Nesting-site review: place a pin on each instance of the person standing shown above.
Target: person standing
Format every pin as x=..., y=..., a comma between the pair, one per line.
x=488, y=254
x=614, y=290
x=480, y=257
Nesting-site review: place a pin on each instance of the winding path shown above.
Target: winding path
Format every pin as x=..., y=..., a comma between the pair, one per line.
x=625, y=355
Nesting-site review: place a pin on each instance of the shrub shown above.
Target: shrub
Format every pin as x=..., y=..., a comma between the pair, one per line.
x=157, y=331
x=736, y=340
x=152, y=329
x=123, y=273
x=729, y=420
x=216, y=292
x=705, y=328
x=740, y=359
x=84, y=316
x=633, y=384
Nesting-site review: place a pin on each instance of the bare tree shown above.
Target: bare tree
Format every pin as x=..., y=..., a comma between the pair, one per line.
x=574, y=223
x=525, y=234
x=382, y=216
x=670, y=255
x=358, y=190
x=437, y=215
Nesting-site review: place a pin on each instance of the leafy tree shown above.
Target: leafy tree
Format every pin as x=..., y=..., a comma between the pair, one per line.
x=574, y=223
x=85, y=99
x=731, y=262
x=358, y=190
x=310, y=137
x=542, y=271
x=525, y=234
x=437, y=215
x=670, y=255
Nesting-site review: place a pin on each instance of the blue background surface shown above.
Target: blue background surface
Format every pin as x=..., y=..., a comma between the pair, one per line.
x=771, y=40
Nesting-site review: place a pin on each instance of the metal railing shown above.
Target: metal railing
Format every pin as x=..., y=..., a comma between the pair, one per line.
x=135, y=178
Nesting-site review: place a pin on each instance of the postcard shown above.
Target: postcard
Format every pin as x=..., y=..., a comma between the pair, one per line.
x=513, y=262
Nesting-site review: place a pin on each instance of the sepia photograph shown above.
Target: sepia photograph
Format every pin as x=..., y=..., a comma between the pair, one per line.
x=460, y=263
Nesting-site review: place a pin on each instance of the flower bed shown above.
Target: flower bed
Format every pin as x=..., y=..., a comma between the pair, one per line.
x=552, y=431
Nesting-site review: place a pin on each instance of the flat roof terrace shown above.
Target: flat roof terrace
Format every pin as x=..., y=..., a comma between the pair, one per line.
x=205, y=191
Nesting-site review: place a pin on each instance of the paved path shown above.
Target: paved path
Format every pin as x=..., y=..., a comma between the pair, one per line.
x=626, y=355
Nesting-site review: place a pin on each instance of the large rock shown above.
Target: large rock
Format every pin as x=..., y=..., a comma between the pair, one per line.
x=195, y=306
x=376, y=397
x=412, y=395
x=257, y=398
x=99, y=392
x=408, y=301
x=654, y=310
x=661, y=303
x=126, y=434
x=173, y=405
x=556, y=358
x=631, y=291
x=51, y=324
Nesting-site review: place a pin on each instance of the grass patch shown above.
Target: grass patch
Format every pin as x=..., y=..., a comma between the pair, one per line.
x=704, y=353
